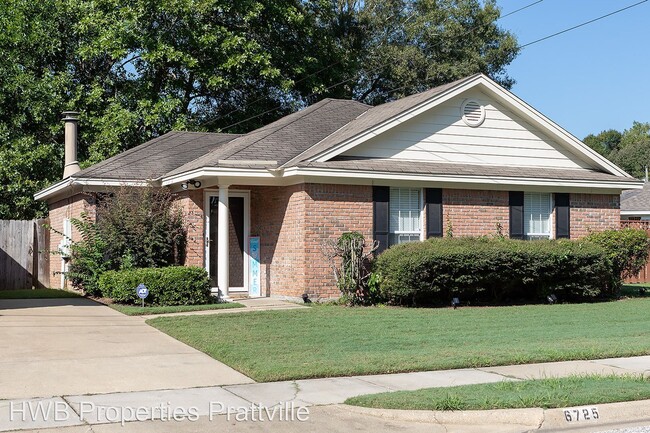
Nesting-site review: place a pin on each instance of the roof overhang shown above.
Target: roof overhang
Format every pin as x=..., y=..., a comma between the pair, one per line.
x=533, y=116
x=463, y=181
x=69, y=186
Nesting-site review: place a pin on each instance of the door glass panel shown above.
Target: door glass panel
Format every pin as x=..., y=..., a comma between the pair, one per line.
x=236, y=240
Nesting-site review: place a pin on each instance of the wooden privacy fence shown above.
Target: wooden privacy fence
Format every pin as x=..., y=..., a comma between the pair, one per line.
x=644, y=275
x=24, y=254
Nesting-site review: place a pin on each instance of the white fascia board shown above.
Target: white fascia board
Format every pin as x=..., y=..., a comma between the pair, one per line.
x=464, y=179
x=70, y=182
x=216, y=172
x=53, y=189
x=635, y=212
x=391, y=123
x=111, y=182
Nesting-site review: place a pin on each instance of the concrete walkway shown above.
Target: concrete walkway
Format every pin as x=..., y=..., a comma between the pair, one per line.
x=218, y=400
x=55, y=347
x=253, y=304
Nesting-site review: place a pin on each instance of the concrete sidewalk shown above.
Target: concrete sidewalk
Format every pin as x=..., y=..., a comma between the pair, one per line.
x=306, y=393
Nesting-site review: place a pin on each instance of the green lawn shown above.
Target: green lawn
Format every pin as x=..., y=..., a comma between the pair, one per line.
x=133, y=310
x=329, y=341
x=37, y=294
x=544, y=393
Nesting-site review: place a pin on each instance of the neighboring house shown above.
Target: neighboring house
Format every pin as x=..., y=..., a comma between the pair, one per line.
x=635, y=204
x=468, y=157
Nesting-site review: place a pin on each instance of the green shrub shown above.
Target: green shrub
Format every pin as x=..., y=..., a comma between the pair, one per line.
x=627, y=249
x=136, y=227
x=493, y=270
x=175, y=285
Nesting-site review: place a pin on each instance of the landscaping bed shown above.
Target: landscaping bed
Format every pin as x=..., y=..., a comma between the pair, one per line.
x=544, y=393
x=327, y=341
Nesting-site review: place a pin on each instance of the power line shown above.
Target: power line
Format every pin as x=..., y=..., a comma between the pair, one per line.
x=520, y=9
x=346, y=80
x=582, y=24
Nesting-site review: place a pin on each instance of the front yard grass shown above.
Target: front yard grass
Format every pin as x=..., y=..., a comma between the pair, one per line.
x=544, y=393
x=134, y=310
x=37, y=294
x=327, y=341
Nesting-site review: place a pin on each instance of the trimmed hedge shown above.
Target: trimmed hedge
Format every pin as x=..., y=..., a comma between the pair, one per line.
x=493, y=270
x=627, y=249
x=175, y=285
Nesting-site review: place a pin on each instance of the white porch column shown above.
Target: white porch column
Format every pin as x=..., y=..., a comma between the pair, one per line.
x=223, y=262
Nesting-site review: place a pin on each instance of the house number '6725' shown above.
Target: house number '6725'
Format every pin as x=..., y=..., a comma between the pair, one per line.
x=581, y=414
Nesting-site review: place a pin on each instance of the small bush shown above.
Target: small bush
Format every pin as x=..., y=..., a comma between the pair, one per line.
x=138, y=227
x=175, y=285
x=493, y=270
x=627, y=249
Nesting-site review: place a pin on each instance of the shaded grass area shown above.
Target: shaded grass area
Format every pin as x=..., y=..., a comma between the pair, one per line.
x=641, y=290
x=544, y=393
x=37, y=294
x=133, y=310
x=326, y=341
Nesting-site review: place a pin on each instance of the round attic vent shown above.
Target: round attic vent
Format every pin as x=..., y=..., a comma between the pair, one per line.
x=472, y=112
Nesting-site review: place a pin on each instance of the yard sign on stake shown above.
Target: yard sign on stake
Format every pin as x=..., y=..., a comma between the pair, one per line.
x=142, y=292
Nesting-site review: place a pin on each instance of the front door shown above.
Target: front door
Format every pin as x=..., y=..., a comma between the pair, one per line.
x=237, y=241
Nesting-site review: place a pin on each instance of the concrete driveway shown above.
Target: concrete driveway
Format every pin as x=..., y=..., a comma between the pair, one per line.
x=54, y=347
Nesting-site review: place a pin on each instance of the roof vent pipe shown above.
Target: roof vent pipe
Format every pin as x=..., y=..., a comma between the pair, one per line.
x=71, y=119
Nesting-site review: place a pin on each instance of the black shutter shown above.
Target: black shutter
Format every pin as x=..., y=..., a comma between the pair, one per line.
x=516, y=203
x=562, y=216
x=433, y=200
x=380, y=210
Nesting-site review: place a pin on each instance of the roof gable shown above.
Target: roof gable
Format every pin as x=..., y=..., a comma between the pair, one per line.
x=441, y=135
x=384, y=118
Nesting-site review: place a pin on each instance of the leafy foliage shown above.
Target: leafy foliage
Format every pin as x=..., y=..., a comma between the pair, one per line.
x=174, y=285
x=493, y=270
x=349, y=258
x=629, y=150
x=138, y=70
x=134, y=227
x=627, y=249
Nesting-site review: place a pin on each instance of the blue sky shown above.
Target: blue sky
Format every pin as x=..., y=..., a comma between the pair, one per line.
x=590, y=79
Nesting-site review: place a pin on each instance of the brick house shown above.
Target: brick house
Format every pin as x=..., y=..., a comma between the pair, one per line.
x=468, y=157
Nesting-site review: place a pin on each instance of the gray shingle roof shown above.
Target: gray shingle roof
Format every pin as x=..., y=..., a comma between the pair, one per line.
x=293, y=139
x=636, y=199
x=285, y=138
x=156, y=157
x=437, y=168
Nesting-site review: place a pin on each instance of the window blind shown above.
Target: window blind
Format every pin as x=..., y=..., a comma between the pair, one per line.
x=537, y=214
x=405, y=210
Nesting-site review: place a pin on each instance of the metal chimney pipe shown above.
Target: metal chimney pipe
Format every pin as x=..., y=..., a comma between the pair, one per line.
x=71, y=119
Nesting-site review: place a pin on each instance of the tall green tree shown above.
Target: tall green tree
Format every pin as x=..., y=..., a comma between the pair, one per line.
x=605, y=142
x=633, y=154
x=138, y=69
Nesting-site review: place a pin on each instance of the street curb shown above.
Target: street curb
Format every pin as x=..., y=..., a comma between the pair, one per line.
x=532, y=417
x=546, y=420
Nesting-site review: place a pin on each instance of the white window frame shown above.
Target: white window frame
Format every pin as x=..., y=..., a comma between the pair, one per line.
x=551, y=218
x=420, y=231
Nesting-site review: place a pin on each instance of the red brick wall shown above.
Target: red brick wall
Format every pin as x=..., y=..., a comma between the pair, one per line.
x=191, y=202
x=67, y=208
x=474, y=212
x=331, y=210
x=593, y=212
x=278, y=218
